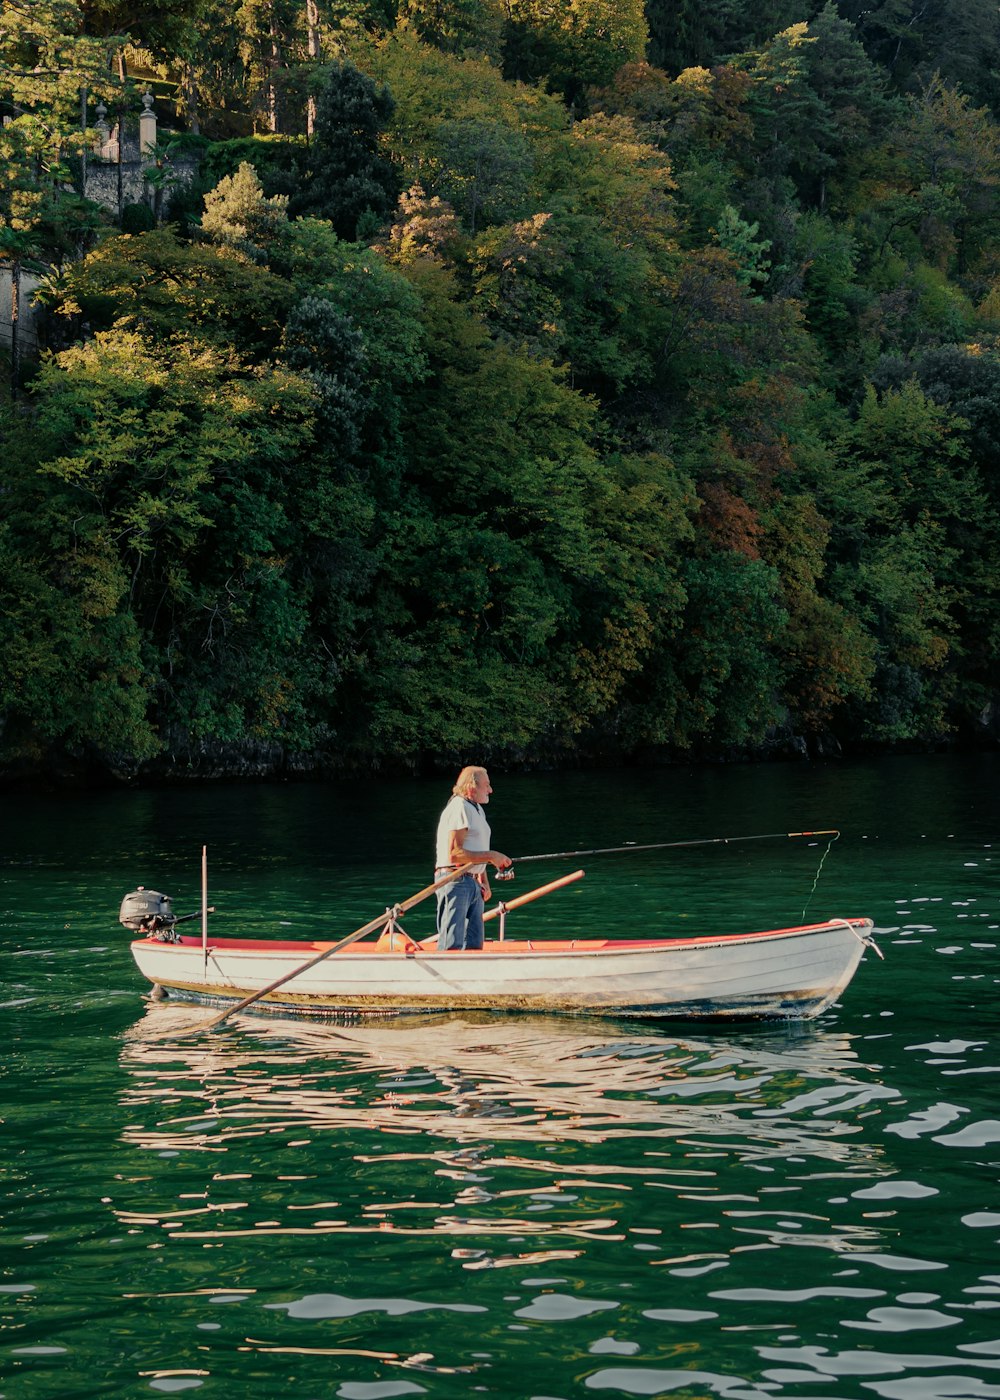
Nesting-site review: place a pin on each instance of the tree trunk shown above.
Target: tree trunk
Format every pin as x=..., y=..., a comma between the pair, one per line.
x=312, y=31
x=190, y=88
x=15, y=326
x=274, y=63
x=121, y=133
x=121, y=142
x=83, y=142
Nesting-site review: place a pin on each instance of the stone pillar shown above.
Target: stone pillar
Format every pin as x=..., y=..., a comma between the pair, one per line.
x=101, y=133
x=147, y=127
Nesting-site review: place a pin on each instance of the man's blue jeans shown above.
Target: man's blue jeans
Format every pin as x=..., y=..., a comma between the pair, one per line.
x=460, y=914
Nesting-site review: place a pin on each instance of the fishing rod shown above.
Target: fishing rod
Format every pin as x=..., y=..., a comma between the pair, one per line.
x=663, y=846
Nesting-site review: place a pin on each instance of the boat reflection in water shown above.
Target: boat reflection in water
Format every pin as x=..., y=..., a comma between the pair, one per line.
x=466, y=1077
x=507, y=1139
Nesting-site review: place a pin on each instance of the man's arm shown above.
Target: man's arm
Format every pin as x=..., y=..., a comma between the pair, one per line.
x=458, y=855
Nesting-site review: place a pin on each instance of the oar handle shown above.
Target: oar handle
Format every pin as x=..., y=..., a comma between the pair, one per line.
x=509, y=904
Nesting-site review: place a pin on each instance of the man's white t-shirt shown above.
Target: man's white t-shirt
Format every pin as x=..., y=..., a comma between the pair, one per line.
x=457, y=816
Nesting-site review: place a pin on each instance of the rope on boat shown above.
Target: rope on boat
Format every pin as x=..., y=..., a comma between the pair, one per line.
x=865, y=939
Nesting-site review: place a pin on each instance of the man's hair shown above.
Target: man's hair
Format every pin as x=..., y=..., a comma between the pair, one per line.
x=466, y=781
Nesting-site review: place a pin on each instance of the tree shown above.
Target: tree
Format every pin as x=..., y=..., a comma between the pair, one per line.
x=221, y=93
x=834, y=296
x=898, y=553
x=964, y=380
x=815, y=99
x=348, y=179
x=483, y=169
x=943, y=159
x=573, y=47
x=463, y=27
x=153, y=503
x=47, y=57
x=426, y=227
x=562, y=286
x=911, y=39
x=520, y=568
x=701, y=123
x=322, y=342
x=965, y=383
x=580, y=279
x=380, y=302
x=689, y=33
x=736, y=237
x=238, y=214
x=163, y=287
x=715, y=681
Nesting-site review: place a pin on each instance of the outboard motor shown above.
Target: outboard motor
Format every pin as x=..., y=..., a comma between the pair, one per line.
x=146, y=911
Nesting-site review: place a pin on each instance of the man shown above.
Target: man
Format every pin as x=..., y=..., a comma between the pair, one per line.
x=463, y=843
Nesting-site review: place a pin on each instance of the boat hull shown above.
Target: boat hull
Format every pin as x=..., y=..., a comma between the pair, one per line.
x=786, y=973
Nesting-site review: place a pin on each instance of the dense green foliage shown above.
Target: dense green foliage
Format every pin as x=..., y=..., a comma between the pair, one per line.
x=519, y=380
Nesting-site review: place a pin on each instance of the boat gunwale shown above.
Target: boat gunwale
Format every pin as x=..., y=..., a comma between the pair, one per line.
x=860, y=927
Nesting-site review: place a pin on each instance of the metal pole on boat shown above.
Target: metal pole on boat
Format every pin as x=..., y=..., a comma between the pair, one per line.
x=204, y=907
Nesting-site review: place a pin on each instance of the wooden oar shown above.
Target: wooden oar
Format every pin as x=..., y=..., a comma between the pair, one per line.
x=509, y=904
x=370, y=927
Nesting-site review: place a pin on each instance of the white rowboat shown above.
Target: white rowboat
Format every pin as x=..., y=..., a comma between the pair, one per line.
x=790, y=973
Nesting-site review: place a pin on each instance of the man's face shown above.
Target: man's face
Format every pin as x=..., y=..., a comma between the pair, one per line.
x=483, y=789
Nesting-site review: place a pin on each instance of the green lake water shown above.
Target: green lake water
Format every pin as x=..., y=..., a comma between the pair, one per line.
x=522, y=1206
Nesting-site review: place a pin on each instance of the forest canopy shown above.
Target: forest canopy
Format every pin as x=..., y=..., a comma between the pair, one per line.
x=542, y=382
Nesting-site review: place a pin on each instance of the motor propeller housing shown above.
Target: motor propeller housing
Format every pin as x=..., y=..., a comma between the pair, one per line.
x=147, y=911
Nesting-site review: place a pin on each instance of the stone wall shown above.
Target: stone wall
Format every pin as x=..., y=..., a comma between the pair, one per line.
x=102, y=183
x=26, y=314
x=102, y=179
